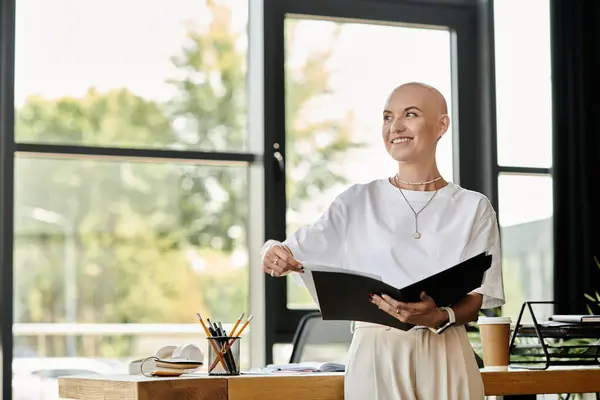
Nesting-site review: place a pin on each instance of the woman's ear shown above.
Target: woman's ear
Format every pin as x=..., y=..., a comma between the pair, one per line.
x=444, y=125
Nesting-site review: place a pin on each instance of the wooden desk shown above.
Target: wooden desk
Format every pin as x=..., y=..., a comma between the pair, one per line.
x=313, y=386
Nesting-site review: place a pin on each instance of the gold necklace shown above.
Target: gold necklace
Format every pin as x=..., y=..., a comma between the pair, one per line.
x=397, y=178
x=417, y=234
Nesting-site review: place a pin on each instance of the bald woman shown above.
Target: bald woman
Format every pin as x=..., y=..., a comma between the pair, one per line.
x=406, y=227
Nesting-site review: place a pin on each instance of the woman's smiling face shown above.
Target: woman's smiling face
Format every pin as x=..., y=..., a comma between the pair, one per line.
x=414, y=119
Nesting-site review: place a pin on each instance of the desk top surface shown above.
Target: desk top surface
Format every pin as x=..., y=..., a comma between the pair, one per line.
x=562, y=370
x=291, y=385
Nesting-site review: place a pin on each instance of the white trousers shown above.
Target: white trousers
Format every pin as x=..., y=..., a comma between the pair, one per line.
x=390, y=364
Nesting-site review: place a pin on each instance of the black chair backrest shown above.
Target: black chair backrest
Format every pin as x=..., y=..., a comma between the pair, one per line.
x=313, y=331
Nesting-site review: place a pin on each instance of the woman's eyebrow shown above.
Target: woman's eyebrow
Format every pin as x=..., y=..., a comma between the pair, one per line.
x=406, y=109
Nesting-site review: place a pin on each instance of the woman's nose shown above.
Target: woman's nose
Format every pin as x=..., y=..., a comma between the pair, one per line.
x=397, y=125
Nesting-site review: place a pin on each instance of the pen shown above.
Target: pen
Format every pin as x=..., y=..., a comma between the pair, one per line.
x=228, y=353
x=233, y=340
x=216, y=332
x=237, y=323
x=211, y=326
x=213, y=344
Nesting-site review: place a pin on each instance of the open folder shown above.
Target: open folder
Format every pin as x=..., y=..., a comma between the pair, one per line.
x=344, y=295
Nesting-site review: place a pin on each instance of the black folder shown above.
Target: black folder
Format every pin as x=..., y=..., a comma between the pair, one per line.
x=345, y=296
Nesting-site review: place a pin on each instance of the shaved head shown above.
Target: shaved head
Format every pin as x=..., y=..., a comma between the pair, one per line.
x=429, y=94
x=415, y=117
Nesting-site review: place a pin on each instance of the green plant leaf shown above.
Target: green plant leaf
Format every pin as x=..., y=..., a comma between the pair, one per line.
x=590, y=298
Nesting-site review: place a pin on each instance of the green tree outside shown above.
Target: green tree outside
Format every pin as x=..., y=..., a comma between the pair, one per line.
x=140, y=227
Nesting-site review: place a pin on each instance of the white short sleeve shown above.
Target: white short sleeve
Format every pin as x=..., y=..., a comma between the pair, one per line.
x=322, y=242
x=486, y=237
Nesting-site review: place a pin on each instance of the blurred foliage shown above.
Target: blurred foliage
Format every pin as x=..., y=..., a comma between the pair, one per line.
x=593, y=305
x=154, y=242
x=318, y=144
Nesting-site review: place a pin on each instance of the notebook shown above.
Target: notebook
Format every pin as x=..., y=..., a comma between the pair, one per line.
x=169, y=360
x=344, y=295
x=577, y=319
x=302, y=367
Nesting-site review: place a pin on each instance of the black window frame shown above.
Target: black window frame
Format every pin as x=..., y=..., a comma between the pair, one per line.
x=477, y=158
x=495, y=169
x=10, y=149
x=472, y=25
x=520, y=170
x=7, y=52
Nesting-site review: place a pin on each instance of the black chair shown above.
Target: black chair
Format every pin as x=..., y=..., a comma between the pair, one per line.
x=314, y=331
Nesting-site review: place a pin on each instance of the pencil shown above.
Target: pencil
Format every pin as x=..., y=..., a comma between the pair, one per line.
x=212, y=342
x=245, y=325
x=203, y=325
x=232, y=332
x=233, y=340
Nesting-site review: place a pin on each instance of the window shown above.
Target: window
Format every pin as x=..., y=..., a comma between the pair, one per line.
x=326, y=119
x=132, y=180
x=166, y=74
x=333, y=118
x=138, y=158
x=523, y=83
x=526, y=229
x=115, y=242
x=524, y=142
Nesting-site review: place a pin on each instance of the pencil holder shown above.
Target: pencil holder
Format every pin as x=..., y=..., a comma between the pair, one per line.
x=223, y=355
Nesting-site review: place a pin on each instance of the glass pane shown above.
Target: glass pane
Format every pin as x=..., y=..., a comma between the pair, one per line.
x=525, y=216
x=141, y=247
x=158, y=74
x=523, y=82
x=333, y=113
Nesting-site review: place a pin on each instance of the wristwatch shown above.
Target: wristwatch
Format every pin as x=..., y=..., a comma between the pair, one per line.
x=445, y=324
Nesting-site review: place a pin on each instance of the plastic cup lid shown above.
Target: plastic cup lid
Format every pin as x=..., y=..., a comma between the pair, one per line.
x=494, y=320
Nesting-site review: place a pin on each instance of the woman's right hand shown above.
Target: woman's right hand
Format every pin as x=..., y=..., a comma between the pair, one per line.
x=279, y=261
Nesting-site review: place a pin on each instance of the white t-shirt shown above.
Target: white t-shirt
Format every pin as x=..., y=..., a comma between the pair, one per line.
x=370, y=227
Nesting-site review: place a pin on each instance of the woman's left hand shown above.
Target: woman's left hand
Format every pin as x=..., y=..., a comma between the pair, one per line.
x=424, y=312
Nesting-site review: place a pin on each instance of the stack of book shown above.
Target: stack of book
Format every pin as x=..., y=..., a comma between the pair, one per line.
x=169, y=361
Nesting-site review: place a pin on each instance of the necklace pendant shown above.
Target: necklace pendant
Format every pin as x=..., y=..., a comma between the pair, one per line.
x=417, y=235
